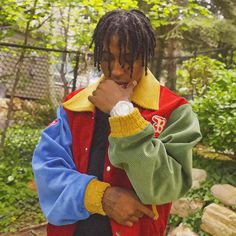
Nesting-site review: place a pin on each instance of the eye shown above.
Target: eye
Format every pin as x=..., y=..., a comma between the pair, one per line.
x=106, y=56
x=127, y=59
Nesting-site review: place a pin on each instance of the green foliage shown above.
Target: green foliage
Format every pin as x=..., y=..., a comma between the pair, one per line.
x=65, y=17
x=164, y=13
x=7, y=16
x=18, y=204
x=215, y=104
x=204, y=32
x=217, y=112
x=16, y=14
x=19, y=145
x=196, y=74
x=35, y=114
x=218, y=172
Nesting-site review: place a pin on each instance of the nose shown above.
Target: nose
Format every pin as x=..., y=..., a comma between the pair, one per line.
x=116, y=69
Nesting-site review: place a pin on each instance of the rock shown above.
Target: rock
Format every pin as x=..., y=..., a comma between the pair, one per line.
x=219, y=221
x=2, y=90
x=3, y=112
x=185, y=207
x=28, y=104
x=199, y=175
x=4, y=103
x=182, y=230
x=17, y=103
x=226, y=193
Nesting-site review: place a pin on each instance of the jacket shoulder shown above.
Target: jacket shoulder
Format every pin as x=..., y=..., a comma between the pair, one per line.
x=169, y=97
x=72, y=94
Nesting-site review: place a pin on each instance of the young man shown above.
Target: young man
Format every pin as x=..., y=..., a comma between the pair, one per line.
x=120, y=151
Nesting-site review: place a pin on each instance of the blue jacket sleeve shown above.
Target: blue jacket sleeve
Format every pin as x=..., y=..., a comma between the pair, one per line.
x=61, y=187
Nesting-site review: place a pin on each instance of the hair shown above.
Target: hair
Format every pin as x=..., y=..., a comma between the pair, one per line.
x=134, y=32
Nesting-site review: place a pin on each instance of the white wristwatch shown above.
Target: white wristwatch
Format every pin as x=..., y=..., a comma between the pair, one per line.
x=122, y=108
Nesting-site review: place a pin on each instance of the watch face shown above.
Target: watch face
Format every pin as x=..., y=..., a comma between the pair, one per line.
x=123, y=108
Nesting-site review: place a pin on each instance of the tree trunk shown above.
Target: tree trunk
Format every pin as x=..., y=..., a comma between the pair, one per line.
x=156, y=62
x=77, y=58
x=63, y=74
x=66, y=27
x=172, y=51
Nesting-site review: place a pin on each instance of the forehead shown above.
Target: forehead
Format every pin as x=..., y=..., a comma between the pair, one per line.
x=113, y=42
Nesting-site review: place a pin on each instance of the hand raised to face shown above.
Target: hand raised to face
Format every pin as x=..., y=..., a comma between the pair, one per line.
x=108, y=93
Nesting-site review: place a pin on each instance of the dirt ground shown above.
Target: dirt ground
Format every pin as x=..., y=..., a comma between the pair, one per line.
x=37, y=230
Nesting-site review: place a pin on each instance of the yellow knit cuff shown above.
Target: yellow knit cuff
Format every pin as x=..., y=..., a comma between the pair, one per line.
x=93, y=196
x=123, y=126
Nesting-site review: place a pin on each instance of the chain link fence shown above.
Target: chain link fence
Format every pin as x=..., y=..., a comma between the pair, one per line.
x=32, y=75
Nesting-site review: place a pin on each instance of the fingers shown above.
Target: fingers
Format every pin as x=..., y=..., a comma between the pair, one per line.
x=128, y=223
x=131, y=221
x=139, y=214
x=91, y=99
x=134, y=219
x=94, y=93
x=131, y=85
x=146, y=211
x=134, y=83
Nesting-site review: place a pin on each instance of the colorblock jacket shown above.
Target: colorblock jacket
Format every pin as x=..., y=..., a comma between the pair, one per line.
x=149, y=151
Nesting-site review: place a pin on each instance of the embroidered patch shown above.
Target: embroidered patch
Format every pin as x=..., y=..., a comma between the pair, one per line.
x=158, y=123
x=53, y=123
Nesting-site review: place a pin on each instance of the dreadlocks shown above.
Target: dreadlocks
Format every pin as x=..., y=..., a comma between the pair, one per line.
x=134, y=32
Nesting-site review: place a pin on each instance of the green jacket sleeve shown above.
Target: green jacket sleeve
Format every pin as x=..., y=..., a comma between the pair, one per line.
x=159, y=169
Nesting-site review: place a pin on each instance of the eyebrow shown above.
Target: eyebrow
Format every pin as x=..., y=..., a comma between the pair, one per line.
x=126, y=54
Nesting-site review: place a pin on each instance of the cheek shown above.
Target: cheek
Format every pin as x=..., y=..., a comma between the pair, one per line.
x=105, y=70
x=138, y=71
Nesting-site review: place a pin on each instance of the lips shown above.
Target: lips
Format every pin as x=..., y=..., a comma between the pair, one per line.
x=121, y=83
x=124, y=85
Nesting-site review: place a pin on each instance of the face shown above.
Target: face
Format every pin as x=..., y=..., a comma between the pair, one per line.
x=119, y=74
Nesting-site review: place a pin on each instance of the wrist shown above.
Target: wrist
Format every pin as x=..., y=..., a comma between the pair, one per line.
x=106, y=201
x=94, y=195
x=122, y=108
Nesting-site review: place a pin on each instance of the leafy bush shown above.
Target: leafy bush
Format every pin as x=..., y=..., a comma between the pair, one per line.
x=195, y=74
x=18, y=203
x=35, y=114
x=217, y=112
x=216, y=101
x=19, y=145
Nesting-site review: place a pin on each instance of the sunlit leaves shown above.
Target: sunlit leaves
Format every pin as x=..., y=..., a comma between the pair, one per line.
x=214, y=88
x=166, y=13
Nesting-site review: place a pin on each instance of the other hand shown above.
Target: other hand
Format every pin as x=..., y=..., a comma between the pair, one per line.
x=123, y=206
